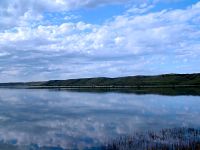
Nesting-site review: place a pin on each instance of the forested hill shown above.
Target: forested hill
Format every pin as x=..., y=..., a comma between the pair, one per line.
x=135, y=81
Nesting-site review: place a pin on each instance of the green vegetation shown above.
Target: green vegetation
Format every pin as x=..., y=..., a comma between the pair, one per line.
x=160, y=80
x=166, y=80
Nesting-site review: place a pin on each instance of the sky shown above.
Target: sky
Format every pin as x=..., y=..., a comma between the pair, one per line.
x=64, y=39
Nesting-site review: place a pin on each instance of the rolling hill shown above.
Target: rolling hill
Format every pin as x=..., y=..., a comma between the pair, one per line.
x=164, y=80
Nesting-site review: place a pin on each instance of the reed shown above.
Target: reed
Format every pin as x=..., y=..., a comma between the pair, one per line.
x=166, y=139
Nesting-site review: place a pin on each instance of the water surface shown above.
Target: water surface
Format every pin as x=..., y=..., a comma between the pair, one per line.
x=35, y=118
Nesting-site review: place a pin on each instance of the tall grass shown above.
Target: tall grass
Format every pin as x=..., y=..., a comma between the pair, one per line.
x=166, y=139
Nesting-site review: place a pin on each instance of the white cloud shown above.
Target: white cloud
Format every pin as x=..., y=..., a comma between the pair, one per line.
x=20, y=12
x=143, y=8
x=2, y=54
x=71, y=17
x=132, y=39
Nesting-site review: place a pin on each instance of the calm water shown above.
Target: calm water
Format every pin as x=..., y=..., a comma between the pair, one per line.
x=79, y=120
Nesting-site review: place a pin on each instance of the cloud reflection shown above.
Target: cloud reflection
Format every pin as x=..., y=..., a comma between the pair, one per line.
x=78, y=120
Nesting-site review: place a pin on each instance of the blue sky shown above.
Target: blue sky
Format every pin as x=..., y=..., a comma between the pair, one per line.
x=62, y=39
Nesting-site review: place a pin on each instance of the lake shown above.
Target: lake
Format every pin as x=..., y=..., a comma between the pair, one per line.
x=67, y=119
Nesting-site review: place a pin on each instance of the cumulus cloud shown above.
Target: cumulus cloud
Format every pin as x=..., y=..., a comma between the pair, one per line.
x=136, y=42
x=20, y=12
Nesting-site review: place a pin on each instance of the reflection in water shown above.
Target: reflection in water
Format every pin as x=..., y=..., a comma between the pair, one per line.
x=171, y=91
x=76, y=120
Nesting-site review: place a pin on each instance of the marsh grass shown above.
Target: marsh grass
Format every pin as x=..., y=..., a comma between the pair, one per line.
x=166, y=139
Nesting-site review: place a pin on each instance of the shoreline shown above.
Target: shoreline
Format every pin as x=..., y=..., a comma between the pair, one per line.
x=101, y=87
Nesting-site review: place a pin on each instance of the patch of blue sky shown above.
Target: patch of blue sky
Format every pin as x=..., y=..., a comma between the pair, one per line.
x=99, y=15
x=176, y=4
x=57, y=18
x=90, y=15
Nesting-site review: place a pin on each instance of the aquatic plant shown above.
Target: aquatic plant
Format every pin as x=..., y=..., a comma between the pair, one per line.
x=166, y=139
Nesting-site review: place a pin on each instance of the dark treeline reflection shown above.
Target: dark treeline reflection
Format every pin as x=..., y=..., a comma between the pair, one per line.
x=62, y=119
x=176, y=91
